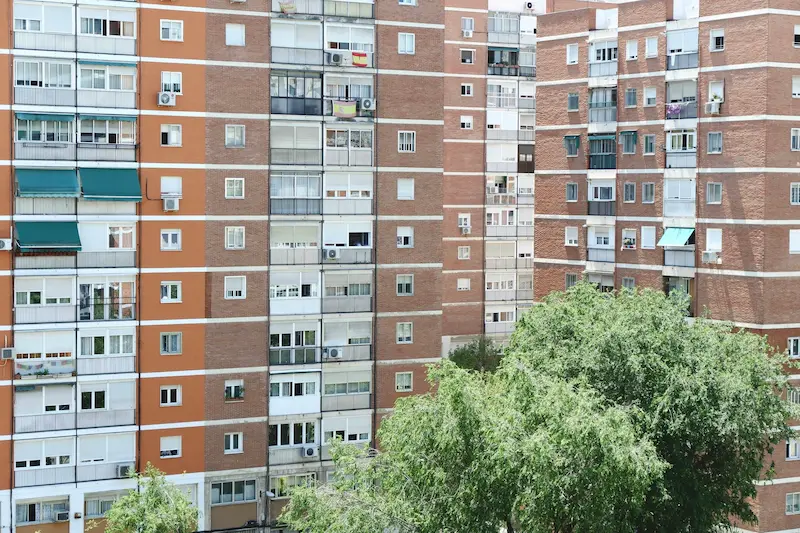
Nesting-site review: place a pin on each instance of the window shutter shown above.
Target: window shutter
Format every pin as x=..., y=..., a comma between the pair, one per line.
x=713, y=239
x=794, y=240
x=648, y=236
x=796, y=86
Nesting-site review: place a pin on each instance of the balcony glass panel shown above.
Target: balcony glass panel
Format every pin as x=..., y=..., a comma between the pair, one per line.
x=296, y=56
x=680, y=61
x=602, y=255
x=44, y=368
x=59, y=42
x=94, y=365
x=45, y=422
x=345, y=402
x=307, y=7
x=107, y=45
x=103, y=418
x=299, y=355
x=296, y=156
x=339, y=8
x=679, y=110
x=44, y=476
x=679, y=258
x=681, y=159
x=602, y=209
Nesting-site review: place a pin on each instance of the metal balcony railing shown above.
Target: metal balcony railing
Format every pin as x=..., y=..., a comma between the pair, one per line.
x=106, y=152
x=684, y=159
x=526, y=103
x=98, y=364
x=682, y=61
x=602, y=209
x=45, y=151
x=346, y=402
x=99, y=471
x=679, y=110
x=280, y=105
x=339, y=8
x=606, y=68
x=300, y=7
x=118, y=259
x=44, y=476
x=346, y=304
x=527, y=71
x=350, y=256
x=503, y=70
x=44, y=368
x=106, y=45
x=602, y=112
x=40, y=314
x=505, y=101
x=305, y=355
x=107, y=98
x=44, y=96
x=295, y=206
x=679, y=258
x=347, y=206
x=56, y=42
x=105, y=418
x=295, y=256
x=601, y=255
x=602, y=161
x=25, y=262
x=349, y=352
x=342, y=157
x=45, y=422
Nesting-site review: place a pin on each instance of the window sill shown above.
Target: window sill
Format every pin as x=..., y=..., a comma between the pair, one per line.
x=717, y=50
x=234, y=400
x=170, y=457
x=171, y=40
x=171, y=302
x=171, y=146
x=170, y=249
x=234, y=452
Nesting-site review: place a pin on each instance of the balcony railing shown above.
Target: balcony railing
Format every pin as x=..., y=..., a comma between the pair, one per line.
x=294, y=256
x=526, y=135
x=681, y=159
x=107, y=98
x=328, y=107
x=111, y=417
x=497, y=134
x=41, y=314
x=601, y=255
x=59, y=42
x=350, y=352
x=508, y=263
x=603, y=112
x=503, y=70
x=679, y=258
x=280, y=105
x=493, y=198
x=44, y=476
x=504, y=295
x=346, y=304
x=106, y=45
x=305, y=355
x=302, y=7
x=606, y=68
x=98, y=364
x=120, y=259
x=679, y=208
x=338, y=8
x=44, y=151
x=602, y=209
x=499, y=328
x=526, y=103
x=44, y=96
x=45, y=422
x=44, y=368
x=348, y=158
x=295, y=206
x=24, y=262
x=504, y=37
x=350, y=256
x=99, y=471
x=505, y=101
x=297, y=56
x=679, y=110
x=347, y=206
x=527, y=71
x=346, y=402
x=602, y=161
x=296, y=156
x=682, y=61
x=106, y=152
x=501, y=166
x=281, y=455
x=95, y=309
x=501, y=231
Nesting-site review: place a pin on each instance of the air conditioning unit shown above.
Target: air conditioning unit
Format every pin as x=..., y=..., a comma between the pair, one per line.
x=309, y=451
x=171, y=204
x=527, y=6
x=7, y=353
x=332, y=353
x=123, y=471
x=335, y=58
x=166, y=99
x=712, y=108
x=5, y=244
x=62, y=516
x=467, y=34
x=368, y=104
x=331, y=253
x=466, y=230
x=711, y=257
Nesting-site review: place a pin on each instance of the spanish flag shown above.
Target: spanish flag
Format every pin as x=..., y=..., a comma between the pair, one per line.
x=344, y=109
x=359, y=59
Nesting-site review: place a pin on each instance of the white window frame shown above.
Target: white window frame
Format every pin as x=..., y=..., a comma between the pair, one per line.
x=629, y=234
x=652, y=187
x=407, y=2
x=232, y=133
x=628, y=283
x=179, y=449
x=629, y=198
x=793, y=347
x=632, y=50
x=792, y=450
x=230, y=390
x=404, y=282
x=635, y=93
x=795, y=86
x=467, y=89
x=168, y=81
x=570, y=280
x=464, y=253
x=170, y=247
x=708, y=142
x=169, y=334
x=650, y=229
x=713, y=186
x=572, y=51
x=571, y=236
x=404, y=333
x=795, y=140
x=466, y=122
x=463, y=284
x=231, y=26
x=174, y=133
x=405, y=236
x=574, y=187
x=471, y=53
x=171, y=25
x=796, y=40
x=650, y=94
x=168, y=299
x=709, y=233
x=168, y=389
x=794, y=193
x=235, y=237
x=406, y=141
x=651, y=47
x=405, y=197
x=712, y=40
x=230, y=184
x=231, y=294
x=644, y=144
x=233, y=443
x=406, y=43
x=402, y=387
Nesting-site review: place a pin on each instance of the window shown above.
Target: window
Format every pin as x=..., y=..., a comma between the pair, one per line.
x=172, y=82
x=403, y=381
x=293, y=434
x=466, y=89
x=795, y=86
x=571, y=236
x=406, y=43
x=43, y=74
x=234, y=136
x=570, y=280
x=234, y=237
x=792, y=449
x=714, y=240
x=629, y=239
x=405, y=188
x=794, y=194
x=467, y=57
x=648, y=237
x=793, y=347
x=793, y=503
x=794, y=241
x=462, y=284
x=280, y=486
x=405, y=284
x=171, y=30
x=632, y=50
x=713, y=193
x=235, y=287
x=628, y=283
x=405, y=237
x=406, y=141
x=290, y=388
x=44, y=131
x=572, y=192
x=234, y=389
x=171, y=134
x=170, y=239
x=353, y=387
x=234, y=34
x=467, y=24
x=407, y=2
x=715, y=142
x=795, y=139
x=170, y=292
x=466, y=122
x=233, y=491
x=649, y=96
x=171, y=395
x=171, y=343
x=651, y=47
x=571, y=143
x=170, y=447
x=628, y=139
x=716, y=90
x=630, y=97
x=120, y=238
x=572, y=54
x=464, y=220
x=573, y=102
x=648, y=193
x=649, y=144
x=793, y=395
x=463, y=252
x=717, y=43
x=234, y=188
x=405, y=332
x=629, y=192
x=233, y=443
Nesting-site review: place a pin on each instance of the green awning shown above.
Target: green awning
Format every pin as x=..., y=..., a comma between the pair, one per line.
x=47, y=236
x=108, y=117
x=106, y=63
x=608, y=137
x=43, y=116
x=53, y=183
x=676, y=236
x=110, y=184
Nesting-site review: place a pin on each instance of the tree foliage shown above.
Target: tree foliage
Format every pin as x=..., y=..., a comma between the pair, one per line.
x=481, y=354
x=158, y=506
x=607, y=413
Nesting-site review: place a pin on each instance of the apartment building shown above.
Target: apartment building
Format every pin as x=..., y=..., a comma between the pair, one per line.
x=668, y=144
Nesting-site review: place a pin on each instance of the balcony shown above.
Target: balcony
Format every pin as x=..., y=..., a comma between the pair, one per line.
x=306, y=355
x=106, y=418
x=339, y=8
x=684, y=159
x=44, y=151
x=294, y=256
x=344, y=108
x=503, y=295
x=346, y=402
x=25, y=262
x=527, y=71
x=605, y=68
x=101, y=309
x=601, y=255
x=106, y=152
x=346, y=304
x=297, y=56
x=295, y=206
x=350, y=256
x=504, y=37
x=348, y=158
x=602, y=209
x=120, y=259
x=682, y=61
x=59, y=42
x=502, y=100
x=602, y=161
x=679, y=258
x=45, y=422
x=44, y=368
x=497, y=134
x=493, y=197
x=295, y=156
x=501, y=166
x=280, y=105
x=304, y=305
x=679, y=110
x=602, y=112
x=99, y=471
x=31, y=477
x=525, y=294
x=679, y=207
x=106, y=45
x=526, y=103
x=281, y=455
x=350, y=352
x=347, y=206
x=503, y=70
x=499, y=328
x=107, y=98
x=44, y=96
x=301, y=7
x=43, y=314
x=98, y=364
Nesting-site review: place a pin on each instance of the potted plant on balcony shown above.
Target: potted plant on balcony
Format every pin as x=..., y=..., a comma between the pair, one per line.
x=42, y=373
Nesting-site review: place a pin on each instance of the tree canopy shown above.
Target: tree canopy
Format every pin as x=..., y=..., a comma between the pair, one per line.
x=481, y=354
x=609, y=412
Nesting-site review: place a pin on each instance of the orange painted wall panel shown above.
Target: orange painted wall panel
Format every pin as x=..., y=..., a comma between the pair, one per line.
x=191, y=407
x=194, y=36
x=192, y=303
x=191, y=254
x=193, y=97
x=5, y=464
x=192, y=457
x=192, y=149
x=5, y=399
x=193, y=201
x=192, y=352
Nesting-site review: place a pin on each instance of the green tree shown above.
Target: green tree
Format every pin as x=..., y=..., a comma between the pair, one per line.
x=481, y=354
x=158, y=506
